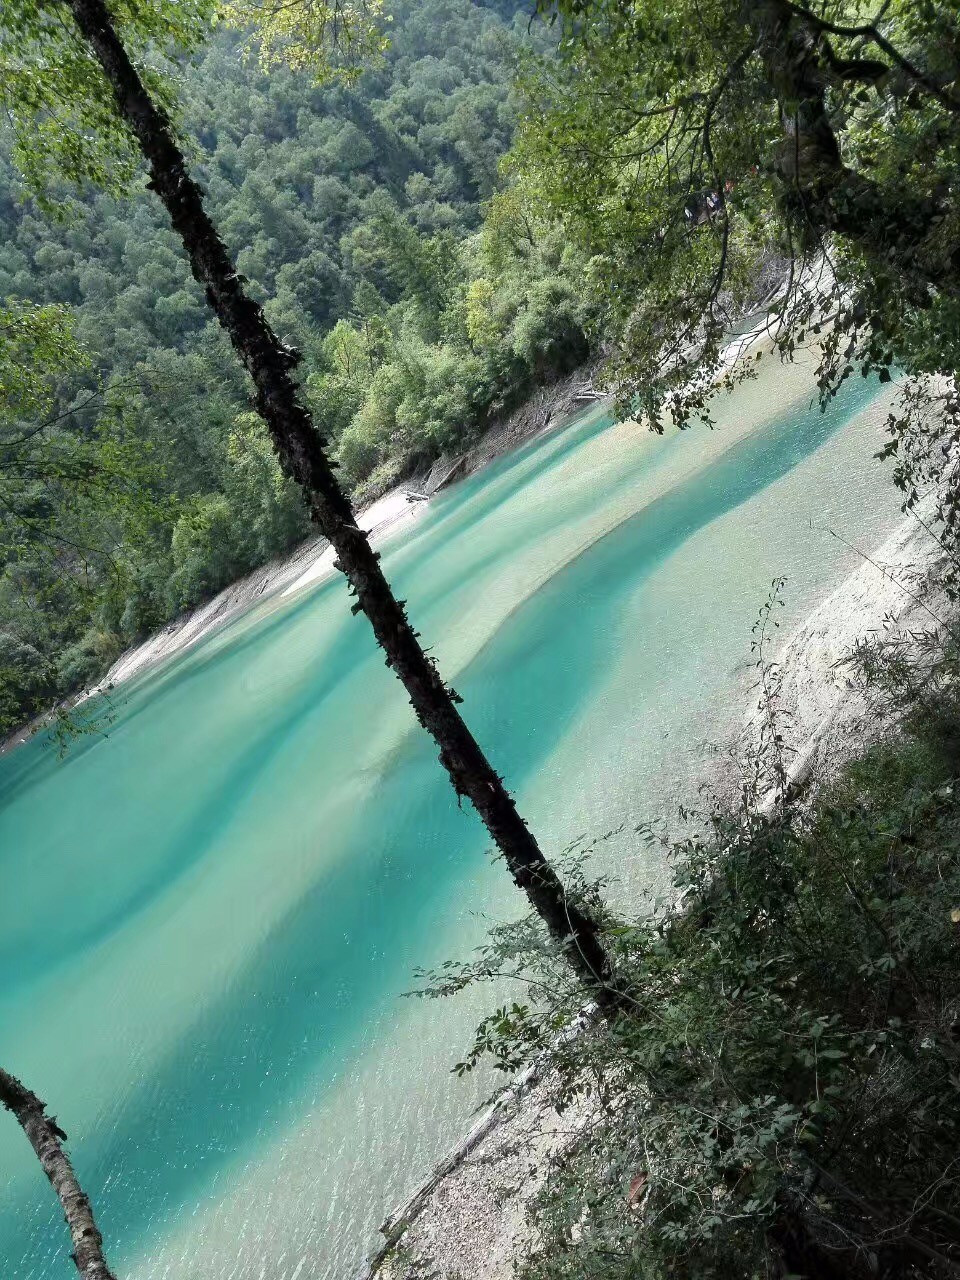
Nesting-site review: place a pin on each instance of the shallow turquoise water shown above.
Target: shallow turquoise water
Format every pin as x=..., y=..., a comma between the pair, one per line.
x=208, y=915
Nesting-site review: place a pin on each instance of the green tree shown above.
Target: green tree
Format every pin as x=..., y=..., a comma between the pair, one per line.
x=66, y=488
x=684, y=145
x=325, y=38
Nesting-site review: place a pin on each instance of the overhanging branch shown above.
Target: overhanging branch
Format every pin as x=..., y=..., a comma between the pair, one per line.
x=870, y=33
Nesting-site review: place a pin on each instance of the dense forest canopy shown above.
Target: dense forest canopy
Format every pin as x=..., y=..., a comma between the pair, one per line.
x=354, y=208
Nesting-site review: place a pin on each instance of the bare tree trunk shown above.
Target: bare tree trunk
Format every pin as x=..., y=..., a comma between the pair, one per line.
x=47, y=1138
x=302, y=455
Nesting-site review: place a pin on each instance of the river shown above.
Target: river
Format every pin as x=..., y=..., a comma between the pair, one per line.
x=211, y=913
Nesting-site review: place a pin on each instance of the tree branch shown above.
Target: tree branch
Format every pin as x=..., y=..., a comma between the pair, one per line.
x=828, y=193
x=47, y=1138
x=870, y=33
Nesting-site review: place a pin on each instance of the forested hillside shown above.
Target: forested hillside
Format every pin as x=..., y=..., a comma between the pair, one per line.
x=355, y=208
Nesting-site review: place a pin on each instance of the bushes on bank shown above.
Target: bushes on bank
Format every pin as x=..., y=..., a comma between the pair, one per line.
x=785, y=1099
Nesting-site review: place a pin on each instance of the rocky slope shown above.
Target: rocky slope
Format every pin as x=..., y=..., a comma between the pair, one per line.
x=825, y=713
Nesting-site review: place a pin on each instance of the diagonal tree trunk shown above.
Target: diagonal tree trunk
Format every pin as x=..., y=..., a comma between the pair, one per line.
x=46, y=1137
x=302, y=455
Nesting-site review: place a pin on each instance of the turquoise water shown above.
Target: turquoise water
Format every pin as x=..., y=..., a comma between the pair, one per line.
x=209, y=914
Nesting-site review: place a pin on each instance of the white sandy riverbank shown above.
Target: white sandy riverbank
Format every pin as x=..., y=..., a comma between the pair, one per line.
x=312, y=560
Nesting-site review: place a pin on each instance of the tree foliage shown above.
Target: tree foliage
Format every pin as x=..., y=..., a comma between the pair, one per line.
x=338, y=39
x=59, y=109
x=65, y=498
x=685, y=145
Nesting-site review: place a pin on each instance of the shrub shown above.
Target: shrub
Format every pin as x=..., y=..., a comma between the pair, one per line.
x=784, y=1098
x=206, y=550
x=83, y=663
